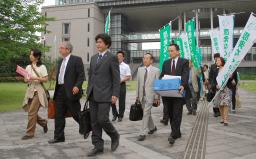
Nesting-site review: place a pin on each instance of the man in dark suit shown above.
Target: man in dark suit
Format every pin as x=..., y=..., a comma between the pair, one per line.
x=213, y=82
x=102, y=91
x=175, y=66
x=68, y=90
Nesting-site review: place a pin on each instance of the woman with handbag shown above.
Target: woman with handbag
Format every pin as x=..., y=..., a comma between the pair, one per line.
x=36, y=94
x=225, y=96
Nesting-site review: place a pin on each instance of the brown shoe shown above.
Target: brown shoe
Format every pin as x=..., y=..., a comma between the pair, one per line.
x=26, y=137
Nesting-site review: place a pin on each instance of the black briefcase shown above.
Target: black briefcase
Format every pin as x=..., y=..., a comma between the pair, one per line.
x=136, y=112
x=85, y=120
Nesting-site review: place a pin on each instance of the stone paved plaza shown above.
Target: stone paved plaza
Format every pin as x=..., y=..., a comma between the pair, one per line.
x=237, y=141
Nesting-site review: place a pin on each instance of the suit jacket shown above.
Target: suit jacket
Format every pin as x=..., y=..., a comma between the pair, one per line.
x=212, y=77
x=74, y=76
x=104, y=78
x=182, y=69
x=194, y=79
x=152, y=75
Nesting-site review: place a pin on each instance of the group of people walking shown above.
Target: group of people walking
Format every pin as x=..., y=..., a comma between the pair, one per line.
x=107, y=79
x=226, y=100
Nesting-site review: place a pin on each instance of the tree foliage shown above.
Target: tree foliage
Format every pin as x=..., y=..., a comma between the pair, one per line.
x=20, y=23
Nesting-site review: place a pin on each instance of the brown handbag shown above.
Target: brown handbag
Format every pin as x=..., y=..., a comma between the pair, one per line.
x=51, y=102
x=52, y=110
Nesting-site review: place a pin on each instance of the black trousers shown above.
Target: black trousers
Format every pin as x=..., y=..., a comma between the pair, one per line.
x=165, y=111
x=216, y=111
x=122, y=97
x=175, y=108
x=99, y=113
x=64, y=104
x=234, y=98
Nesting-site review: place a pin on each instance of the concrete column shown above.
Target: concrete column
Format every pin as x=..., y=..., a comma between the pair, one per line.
x=180, y=23
x=197, y=27
x=211, y=17
x=185, y=19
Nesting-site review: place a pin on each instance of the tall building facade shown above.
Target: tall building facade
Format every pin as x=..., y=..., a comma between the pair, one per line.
x=136, y=23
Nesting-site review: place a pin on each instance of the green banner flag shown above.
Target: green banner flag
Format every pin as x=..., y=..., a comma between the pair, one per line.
x=165, y=40
x=107, y=23
x=179, y=42
x=190, y=29
x=199, y=56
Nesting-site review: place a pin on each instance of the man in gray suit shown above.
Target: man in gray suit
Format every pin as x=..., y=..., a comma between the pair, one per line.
x=103, y=89
x=146, y=76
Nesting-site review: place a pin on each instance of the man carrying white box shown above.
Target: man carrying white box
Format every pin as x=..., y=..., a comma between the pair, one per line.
x=175, y=66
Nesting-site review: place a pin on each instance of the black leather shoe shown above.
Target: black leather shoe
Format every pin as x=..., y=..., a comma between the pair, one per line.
x=171, y=140
x=216, y=114
x=95, y=152
x=141, y=137
x=115, y=143
x=114, y=118
x=164, y=122
x=53, y=141
x=225, y=124
x=26, y=137
x=194, y=113
x=152, y=131
x=45, y=128
x=120, y=119
x=189, y=113
x=86, y=135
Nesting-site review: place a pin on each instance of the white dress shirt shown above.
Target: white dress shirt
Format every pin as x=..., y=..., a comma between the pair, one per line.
x=124, y=71
x=63, y=64
x=148, y=68
x=103, y=53
x=176, y=60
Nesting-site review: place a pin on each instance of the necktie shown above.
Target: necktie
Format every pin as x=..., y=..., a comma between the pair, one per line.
x=145, y=79
x=61, y=74
x=173, y=67
x=99, y=58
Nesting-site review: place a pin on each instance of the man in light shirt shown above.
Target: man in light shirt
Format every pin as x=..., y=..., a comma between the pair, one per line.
x=68, y=90
x=125, y=75
x=146, y=76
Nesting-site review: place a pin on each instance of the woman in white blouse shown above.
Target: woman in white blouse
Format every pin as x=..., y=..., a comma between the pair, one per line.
x=35, y=96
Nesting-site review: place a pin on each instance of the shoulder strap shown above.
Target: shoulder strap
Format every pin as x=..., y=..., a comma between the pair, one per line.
x=37, y=74
x=86, y=105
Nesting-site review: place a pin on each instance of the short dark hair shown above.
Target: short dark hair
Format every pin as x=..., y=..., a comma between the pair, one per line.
x=216, y=55
x=206, y=65
x=176, y=46
x=105, y=37
x=222, y=61
x=120, y=52
x=37, y=54
x=151, y=56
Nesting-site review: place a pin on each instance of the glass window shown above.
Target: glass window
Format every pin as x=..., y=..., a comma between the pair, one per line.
x=88, y=57
x=66, y=39
x=254, y=53
x=88, y=42
x=89, y=12
x=66, y=28
x=88, y=27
